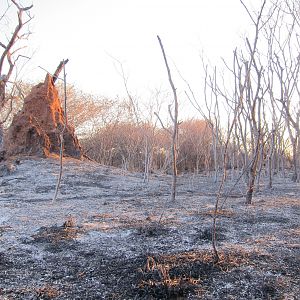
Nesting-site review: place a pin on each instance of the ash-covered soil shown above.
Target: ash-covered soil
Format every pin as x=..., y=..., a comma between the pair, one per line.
x=111, y=236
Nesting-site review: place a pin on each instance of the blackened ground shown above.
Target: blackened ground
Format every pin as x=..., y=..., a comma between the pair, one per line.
x=109, y=236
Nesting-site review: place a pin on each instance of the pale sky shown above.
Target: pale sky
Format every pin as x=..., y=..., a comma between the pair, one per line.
x=89, y=32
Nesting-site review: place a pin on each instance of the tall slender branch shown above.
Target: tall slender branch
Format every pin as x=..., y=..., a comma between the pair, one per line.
x=174, y=118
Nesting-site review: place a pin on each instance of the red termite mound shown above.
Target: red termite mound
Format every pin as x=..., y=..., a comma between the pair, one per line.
x=36, y=129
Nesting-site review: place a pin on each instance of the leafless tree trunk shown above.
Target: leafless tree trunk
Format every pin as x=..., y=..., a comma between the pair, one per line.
x=61, y=135
x=270, y=160
x=174, y=117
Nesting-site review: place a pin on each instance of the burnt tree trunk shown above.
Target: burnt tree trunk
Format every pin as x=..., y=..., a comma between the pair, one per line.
x=253, y=172
x=59, y=69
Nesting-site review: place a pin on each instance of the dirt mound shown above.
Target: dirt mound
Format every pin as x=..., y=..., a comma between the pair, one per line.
x=36, y=129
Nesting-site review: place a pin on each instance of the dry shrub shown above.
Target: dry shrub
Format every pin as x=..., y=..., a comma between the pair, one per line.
x=205, y=234
x=54, y=234
x=178, y=275
x=125, y=143
x=152, y=229
x=47, y=292
x=225, y=213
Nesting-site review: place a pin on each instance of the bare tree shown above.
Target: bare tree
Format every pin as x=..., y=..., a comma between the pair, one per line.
x=284, y=68
x=252, y=93
x=62, y=66
x=174, y=117
x=11, y=52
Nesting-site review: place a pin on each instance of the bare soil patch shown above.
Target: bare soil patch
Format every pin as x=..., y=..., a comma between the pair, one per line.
x=111, y=236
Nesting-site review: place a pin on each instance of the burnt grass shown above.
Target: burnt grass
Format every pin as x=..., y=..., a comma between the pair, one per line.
x=109, y=236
